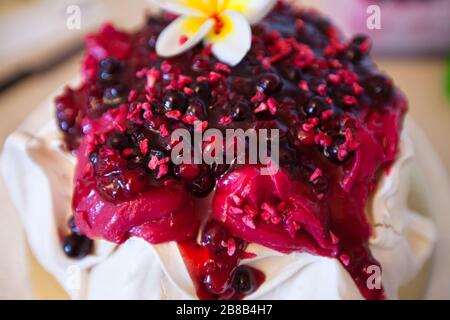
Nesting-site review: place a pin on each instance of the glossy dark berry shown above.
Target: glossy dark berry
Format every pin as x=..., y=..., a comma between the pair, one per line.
x=202, y=90
x=313, y=107
x=331, y=152
x=289, y=73
x=175, y=100
x=72, y=225
x=243, y=281
x=213, y=236
x=119, y=141
x=269, y=83
x=197, y=109
x=378, y=87
x=114, y=96
x=109, y=69
x=288, y=156
x=93, y=157
x=240, y=111
x=204, y=184
x=355, y=50
x=77, y=246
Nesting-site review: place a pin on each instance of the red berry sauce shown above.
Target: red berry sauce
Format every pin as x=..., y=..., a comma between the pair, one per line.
x=339, y=120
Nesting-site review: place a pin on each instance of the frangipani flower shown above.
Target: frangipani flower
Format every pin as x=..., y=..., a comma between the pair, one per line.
x=224, y=24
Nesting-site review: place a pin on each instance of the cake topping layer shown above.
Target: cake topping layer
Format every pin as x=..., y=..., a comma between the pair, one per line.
x=339, y=120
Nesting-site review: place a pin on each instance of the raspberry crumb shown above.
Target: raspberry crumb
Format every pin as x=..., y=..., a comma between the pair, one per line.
x=248, y=221
x=163, y=170
x=163, y=132
x=258, y=97
x=226, y=120
x=334, y=78
x=132, y=96
x=231, y=246
x=322, y=89
x=235, y=210
x=357, y=89
x=222, y=68
x=327, y=114
x=153, y=164
x=345, y=259
x=143, y=146
x=350, y=100
x=237, y=200
x=176, y=114
x=316, y=174
x=188, y=91
x=261, y=108
x=250, y=211
x=303, y=85
x=273, y=106
x=334, y=238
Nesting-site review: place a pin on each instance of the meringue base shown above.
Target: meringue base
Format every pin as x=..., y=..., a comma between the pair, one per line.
x=33, y=160
x=45, y=287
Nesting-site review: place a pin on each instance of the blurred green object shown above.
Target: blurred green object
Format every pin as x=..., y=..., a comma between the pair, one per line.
x=447, y=80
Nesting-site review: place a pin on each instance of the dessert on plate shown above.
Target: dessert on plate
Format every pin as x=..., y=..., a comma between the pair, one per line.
x=99, y=194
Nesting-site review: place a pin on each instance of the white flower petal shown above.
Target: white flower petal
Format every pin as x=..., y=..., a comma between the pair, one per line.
x=170, y=42
x=193, y=8
x=253, y=10
x=234, y=40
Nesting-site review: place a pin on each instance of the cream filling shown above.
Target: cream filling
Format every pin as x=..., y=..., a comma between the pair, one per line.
x=38, y=175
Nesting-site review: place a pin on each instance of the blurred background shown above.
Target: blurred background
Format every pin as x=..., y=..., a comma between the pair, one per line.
x=39, y=53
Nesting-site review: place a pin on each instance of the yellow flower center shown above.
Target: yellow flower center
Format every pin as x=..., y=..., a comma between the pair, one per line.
x=212, y=9
x=223, y=27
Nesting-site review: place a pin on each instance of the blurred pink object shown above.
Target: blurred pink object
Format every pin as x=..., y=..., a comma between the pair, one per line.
x=407, y=26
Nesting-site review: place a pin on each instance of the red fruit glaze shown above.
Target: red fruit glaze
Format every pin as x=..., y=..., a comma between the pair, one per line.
x=339, y=119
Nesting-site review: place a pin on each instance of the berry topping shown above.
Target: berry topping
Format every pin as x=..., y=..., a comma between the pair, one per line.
x=378, y=87
x=203, y=90
x=339, y=121
x=119, y=141
x=314, y=107
x=357, y=48
x=77, y=246
x=243, y=280
x=240, y=111
x=174, y=100
x=333, y=151
x=269, y=83
x=204, y=184
x=109, y=70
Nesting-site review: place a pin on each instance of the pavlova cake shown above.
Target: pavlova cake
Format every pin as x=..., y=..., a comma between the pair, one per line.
x=111, y=215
